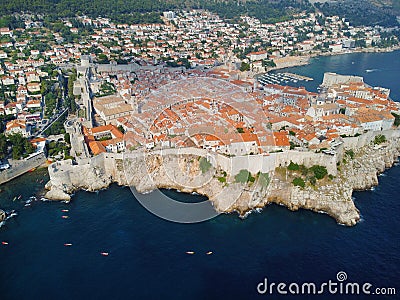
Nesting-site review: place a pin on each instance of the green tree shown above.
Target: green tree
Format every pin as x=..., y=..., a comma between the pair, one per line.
x=319, y=171
x=3, y=146
x=298, y=181
x=67, y=138
x=18, y=143
x=379, y=139
x=293, y=167
x=244, y=67
x=121, y=128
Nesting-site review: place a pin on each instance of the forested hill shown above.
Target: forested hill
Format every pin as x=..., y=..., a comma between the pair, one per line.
x=358, y=12
x=364, y=12
x=139, y=11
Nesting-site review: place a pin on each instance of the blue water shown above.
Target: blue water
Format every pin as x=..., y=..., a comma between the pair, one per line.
x=378, y=69
x=147, y=258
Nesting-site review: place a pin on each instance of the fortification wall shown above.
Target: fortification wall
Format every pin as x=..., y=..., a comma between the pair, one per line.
x=308, y=159
x=333, y=78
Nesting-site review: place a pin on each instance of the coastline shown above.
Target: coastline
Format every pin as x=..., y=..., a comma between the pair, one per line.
x=152, y=172
x=303, y=60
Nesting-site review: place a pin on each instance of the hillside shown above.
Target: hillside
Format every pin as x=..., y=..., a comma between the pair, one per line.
x=360, y=12
x=363, y=12
x=149, y=10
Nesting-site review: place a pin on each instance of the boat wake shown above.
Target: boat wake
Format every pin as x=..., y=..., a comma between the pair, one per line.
x=361, y=219
x=371, y=70
x=11, y=214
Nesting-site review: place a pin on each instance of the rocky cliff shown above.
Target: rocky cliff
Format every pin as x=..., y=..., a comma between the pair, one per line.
x=3, y=215
x=184, y=172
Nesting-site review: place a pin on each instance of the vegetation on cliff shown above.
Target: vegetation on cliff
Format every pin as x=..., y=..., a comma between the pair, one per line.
x=301, y=174
x=149, y=11
x=379, y=139
x=361, y=12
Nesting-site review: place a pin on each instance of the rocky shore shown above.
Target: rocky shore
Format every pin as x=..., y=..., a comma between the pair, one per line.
x=3, y=215
x=182, y=171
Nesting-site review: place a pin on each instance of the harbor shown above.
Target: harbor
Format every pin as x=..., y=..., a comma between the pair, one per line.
x=282, y=78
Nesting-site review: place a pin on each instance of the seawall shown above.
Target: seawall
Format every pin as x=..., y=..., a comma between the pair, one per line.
x=180, y=169
x=22, y=168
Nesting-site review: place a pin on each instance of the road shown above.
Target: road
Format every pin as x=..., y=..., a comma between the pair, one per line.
x=52, y=120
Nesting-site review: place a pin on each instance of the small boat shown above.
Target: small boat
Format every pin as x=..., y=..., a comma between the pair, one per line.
x=190, y=252
x=19, y=197
x=11, y=214
x=209, y=253
x=15, y=198
x=65, y=217
x=4, y=243
x=65, y=210
x=67, y=244
x=104, y=253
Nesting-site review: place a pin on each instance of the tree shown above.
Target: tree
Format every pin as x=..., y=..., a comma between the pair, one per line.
x=67, y=138
x=350, y=153
x=379, y=139
x=319, y=171
x=293, y=167
x=20, y=145
x=244, y=67
x=17, y=142
x=121, y=128
x=28, y=147
x=3, y=146
x=360, y=43
x=298, y=181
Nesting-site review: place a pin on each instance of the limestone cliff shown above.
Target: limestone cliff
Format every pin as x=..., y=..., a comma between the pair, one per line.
x=183, y=171
x=2, y=215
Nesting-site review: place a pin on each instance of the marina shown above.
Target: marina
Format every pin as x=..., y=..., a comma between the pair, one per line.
x=282, y=78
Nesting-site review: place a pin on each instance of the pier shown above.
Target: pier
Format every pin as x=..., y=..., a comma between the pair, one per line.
x=282, y=78
x=298, y=77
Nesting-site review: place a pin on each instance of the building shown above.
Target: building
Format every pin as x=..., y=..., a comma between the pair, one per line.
x=110, y=108
x=169, y=15
x=106, y=138
x=374, y=120
x=17, y=126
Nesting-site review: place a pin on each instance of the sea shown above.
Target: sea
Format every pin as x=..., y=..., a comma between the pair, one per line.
x=147, y=256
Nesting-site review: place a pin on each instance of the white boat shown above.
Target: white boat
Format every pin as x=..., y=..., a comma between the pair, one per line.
x=104, y=253
x=190, y=252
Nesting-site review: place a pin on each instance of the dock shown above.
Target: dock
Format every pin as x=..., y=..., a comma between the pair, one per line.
x=298, y=77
